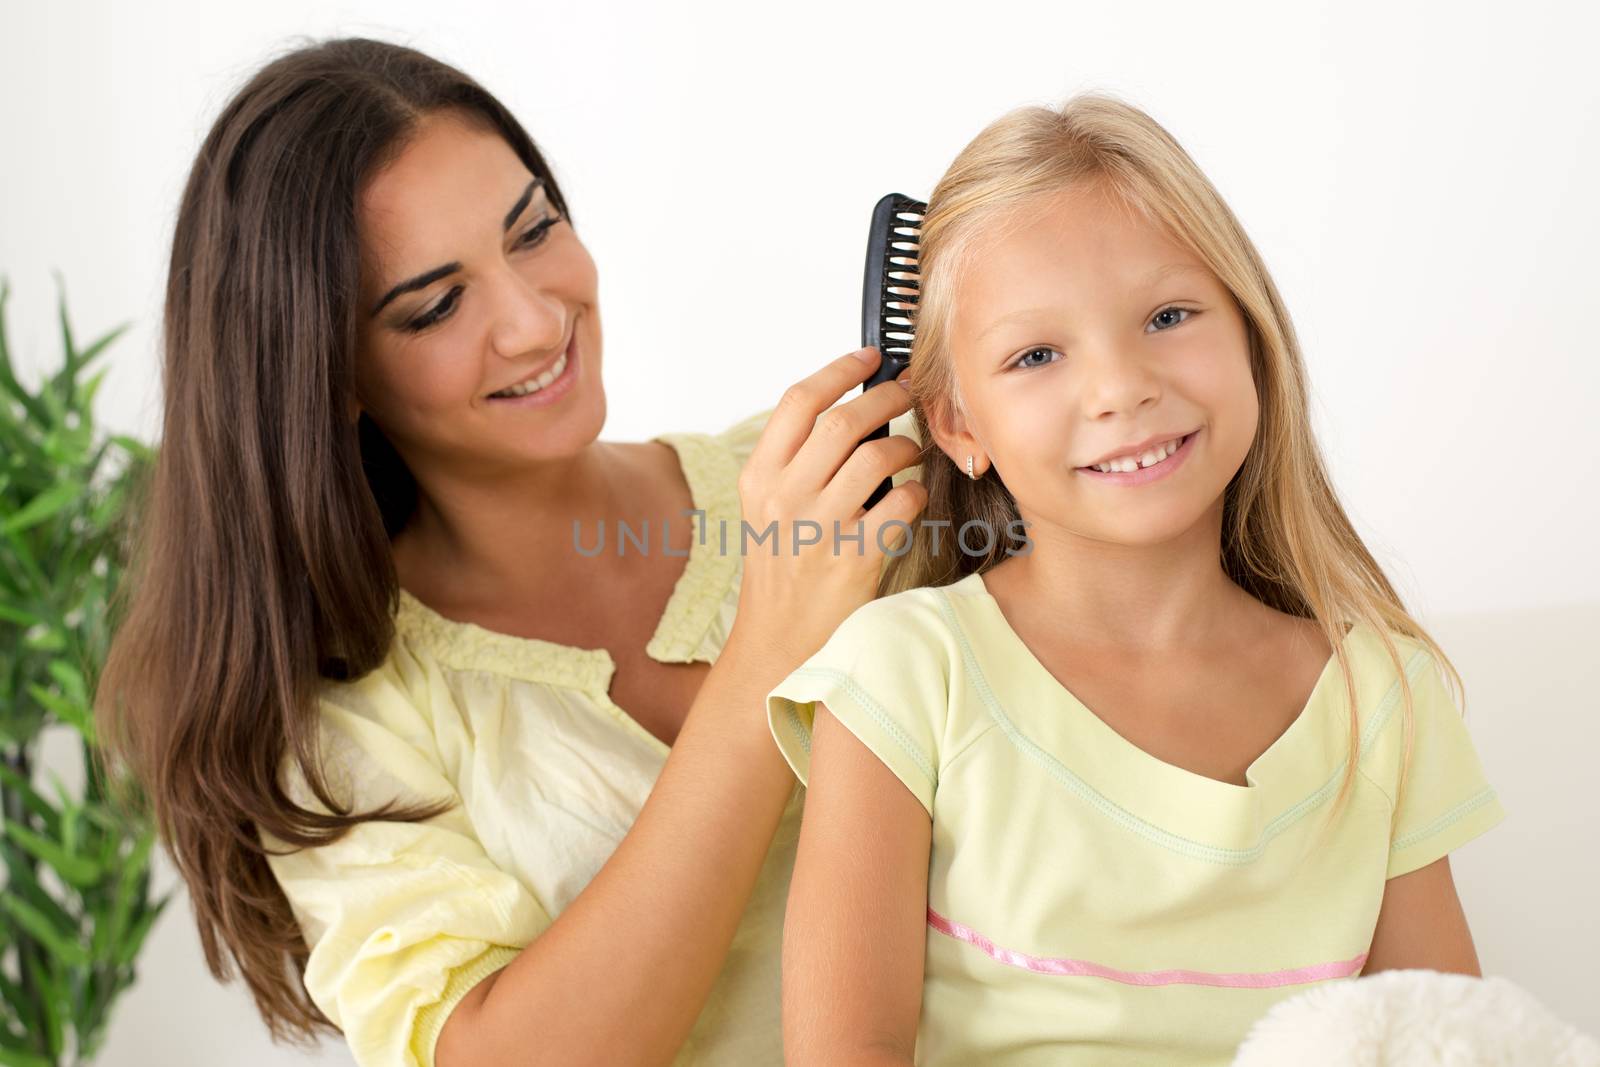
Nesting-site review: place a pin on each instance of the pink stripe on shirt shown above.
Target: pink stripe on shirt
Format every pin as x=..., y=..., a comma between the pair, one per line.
x=1250, y=980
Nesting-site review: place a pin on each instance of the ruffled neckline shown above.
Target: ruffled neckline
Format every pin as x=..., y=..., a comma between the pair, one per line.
x=711, y=470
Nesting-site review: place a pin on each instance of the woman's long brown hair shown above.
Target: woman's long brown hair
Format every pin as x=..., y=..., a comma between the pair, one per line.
x=262, y=563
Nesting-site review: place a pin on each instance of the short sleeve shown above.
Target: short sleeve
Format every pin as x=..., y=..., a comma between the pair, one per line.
x=1447, y=800
x=401, y=919
x=885, y=674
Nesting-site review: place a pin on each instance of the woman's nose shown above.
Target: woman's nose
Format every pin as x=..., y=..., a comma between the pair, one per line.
x=528, y=319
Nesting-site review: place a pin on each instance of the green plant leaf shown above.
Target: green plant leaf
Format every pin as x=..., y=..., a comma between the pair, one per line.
x=134, y=447
x=130, y=885
x=69, y=678
x=51, y=999
x=8, y=377
x=66, y=490
x=129, y=949
x=43, y=506
x=15, y=614
x=66, y=711
x=80, y=872
x=40, y=928
x=99, y=346
x=49, y=639
x=31, y=799
x=15, y=1057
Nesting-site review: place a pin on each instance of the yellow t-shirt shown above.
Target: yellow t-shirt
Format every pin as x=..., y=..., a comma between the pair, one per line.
x=1091, y=904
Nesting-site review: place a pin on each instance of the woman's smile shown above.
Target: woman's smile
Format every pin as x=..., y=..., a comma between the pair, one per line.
x=564, y=371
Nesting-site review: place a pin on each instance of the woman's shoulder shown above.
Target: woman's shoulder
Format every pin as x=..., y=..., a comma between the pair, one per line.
x=740, y=437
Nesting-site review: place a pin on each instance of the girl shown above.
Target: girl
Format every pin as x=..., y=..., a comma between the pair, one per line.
x=431, y=777
x=1102, y=793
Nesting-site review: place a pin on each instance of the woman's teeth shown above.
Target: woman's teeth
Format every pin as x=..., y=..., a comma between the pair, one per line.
x=535, y=384
x=1124, y=464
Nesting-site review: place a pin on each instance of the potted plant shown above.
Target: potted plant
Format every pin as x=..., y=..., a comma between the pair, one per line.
x=76, y=900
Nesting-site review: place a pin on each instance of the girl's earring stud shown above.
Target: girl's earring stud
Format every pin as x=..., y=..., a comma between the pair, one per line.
x=974, y=477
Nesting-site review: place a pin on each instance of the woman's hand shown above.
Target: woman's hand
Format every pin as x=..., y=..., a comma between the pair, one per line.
x=810, y=466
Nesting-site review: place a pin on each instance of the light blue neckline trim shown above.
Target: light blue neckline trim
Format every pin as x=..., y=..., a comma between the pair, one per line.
x=1120, y=815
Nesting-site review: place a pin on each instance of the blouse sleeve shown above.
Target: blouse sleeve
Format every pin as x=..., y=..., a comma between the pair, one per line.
x=401, y=919
x=885, y=675
x=1446, y=800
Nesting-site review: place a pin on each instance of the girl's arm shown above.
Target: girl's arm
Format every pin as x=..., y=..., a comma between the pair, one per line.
x=1421, y=924
x=857, y=915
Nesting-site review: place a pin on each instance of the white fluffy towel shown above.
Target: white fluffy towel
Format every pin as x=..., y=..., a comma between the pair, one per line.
x=1415, y=1018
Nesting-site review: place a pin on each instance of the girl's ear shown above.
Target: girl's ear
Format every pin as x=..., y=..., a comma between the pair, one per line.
x=355, y=410
x=951, y=432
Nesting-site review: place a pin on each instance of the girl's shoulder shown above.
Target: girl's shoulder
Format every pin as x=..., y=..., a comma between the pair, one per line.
x=921, y=617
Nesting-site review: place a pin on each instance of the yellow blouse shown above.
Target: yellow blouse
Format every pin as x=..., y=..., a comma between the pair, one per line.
x=402, y=919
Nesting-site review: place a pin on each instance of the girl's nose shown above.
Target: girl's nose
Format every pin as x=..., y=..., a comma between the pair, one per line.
x=1116, y=382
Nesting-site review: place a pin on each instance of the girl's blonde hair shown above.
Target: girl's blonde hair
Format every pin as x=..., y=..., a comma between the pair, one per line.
x=1286, y=540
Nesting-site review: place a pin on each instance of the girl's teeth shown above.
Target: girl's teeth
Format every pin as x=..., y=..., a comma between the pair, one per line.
x=538, y=383
x=1128, y=464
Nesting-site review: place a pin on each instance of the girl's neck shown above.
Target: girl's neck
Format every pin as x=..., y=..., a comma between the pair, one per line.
x=1169, y=596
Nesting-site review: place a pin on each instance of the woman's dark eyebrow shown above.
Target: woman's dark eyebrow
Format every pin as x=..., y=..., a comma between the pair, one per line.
x=427, y=278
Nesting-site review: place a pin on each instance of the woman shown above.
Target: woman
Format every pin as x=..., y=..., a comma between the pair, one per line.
x=376, y=697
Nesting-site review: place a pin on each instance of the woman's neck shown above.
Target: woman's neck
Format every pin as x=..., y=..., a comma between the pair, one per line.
x=484, y=536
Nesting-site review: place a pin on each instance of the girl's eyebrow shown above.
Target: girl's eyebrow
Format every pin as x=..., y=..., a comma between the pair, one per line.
x=1171, y=268
x=1153, y=278
x=427, y=278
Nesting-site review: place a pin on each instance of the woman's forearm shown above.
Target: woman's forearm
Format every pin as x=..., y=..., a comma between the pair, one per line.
x=621, y=975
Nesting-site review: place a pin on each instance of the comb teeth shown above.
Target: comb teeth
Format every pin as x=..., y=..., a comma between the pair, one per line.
x=894, y=279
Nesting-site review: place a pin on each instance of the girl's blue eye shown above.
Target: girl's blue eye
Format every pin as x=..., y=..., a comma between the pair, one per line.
x=1163, y=320
x=535, y=235
x=1021, y=361
x=1185, y=312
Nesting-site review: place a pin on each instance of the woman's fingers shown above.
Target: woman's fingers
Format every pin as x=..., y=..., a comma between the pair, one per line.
x=840, y=431
x=870, y=463
x=795, y=415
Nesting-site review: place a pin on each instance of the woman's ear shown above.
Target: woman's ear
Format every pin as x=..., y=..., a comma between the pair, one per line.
x=355, y=410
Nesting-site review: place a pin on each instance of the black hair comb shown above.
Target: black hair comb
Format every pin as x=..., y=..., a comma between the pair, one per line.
x=889, y=293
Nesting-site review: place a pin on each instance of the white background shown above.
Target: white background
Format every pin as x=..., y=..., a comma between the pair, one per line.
x=1419, y=178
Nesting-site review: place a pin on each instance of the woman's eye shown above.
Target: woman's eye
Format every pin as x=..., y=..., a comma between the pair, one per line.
x=1022, y=360
x=534, y=236
x=1164, y=320
x=536, y=233
x=435, y=313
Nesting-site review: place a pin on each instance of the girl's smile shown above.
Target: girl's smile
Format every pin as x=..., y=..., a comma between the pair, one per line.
x=1142, y=473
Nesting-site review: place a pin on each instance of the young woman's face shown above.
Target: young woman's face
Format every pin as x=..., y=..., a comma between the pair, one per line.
x=1085, y=334
x=472, y=282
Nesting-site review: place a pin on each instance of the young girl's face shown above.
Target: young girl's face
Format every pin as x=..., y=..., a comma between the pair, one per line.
x=478, y=284
x=1083, y=334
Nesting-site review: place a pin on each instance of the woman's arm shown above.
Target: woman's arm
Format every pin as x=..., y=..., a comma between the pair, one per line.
x=623, y=972
x=1421, y=924
x=857, y=918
